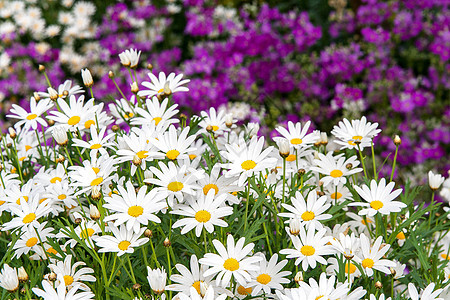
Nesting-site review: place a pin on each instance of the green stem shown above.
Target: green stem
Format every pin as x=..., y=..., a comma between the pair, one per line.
x=393, y=164
x=362, y=161
x=246, y=204
x=373, y=162
x=131, y=269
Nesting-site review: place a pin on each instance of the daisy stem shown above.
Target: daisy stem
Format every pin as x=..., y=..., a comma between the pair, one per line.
x=204, y=240
x=284, y=179
x=154, y=254
x=393, y=164
x=131, y=75
x=144, y=254
x=246, y=204
x=118, y=88
x=429, y=216
x=335, y=195
x=373, y=162
x=18, y=162
x=265, y=231
x=40, y=146
x=392, y=287
x=42, y=244
x=135, y=75
x=92, y=93
x=169, y=269
x=348, y=270
x=46, y=79
x=362, y=161
x=68, y=156
x=131, y=269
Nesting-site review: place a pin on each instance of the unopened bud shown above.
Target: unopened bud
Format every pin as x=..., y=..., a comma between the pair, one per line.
x=111, y=74
x=137, y=161
x=53, y=94
x=23, y=291
x=397, y=140
x=60, y=159
x=167, y=243
x=209, y=128
x=65, y=93
x=51, y=122
x=167, y=91
x=8, y=145
x=393, y=272
x=78, y=221
x=229, y=120
x=87, y=78
x=150, y=67
x=294, y=226
x=148, y=233
x=52, y=276
x=301, y=172
x=349, y=166
x=115, y=128
x=41, y=68
x=183, y=117
x=284, y=148
x=378, y=285
x=298, y=277
x=94, y=213
x=320, y=193
x=136, y=286
x=96, y=193
x=22, y=274
x=12, y=133
x=36, y=96
x=134, y=87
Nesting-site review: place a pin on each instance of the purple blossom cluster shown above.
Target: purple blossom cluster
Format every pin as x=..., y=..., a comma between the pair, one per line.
x=388, y=60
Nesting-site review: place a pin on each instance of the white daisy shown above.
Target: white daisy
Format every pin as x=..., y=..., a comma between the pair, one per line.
x=435, y=180
x=98, y=142
x=269, y=275
x=358, y=131
x=27, y=214
x=29, y=239
x=157, y=280
x=325, y=288
x=174, y=146
x=247, y=161
x=214, y=119
x=122, y=241
x=221, y=185
x=310, y=211
x=156, y=113
x=379, y=197
x=66, y=86
x=71, y=276
x=135, y=148
x=335, y=168
x=202, y=212
x=49, y=292
x=156, y=86
x=309, y=247
x=231, y=262
x=74, y=115
x=333, y=268
x=370, y=257
x=32, y=118
x=134, y=209
x=426, y=294
x=9, y=279
x=297, y=136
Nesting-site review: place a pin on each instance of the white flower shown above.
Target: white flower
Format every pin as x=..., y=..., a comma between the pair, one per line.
x=87, y=77
x=71, y=276
x=379, y=198
x=134, y=209
x=60, y=293
x=130, y=58
x=28, y=213
x=59, y=133
x=371, y=256
x=435, y=180
x=32, y=118
x=174, y=146
x=309, y=247
x=214, y=119
x=203, y=212
x=231, y=261
x=157, y=112
x=310, y=211
x=325, y=288
x=358, y=131
x=122, y=241
x=427, y=293
x=297, y=136
x=335, y=168
x=157, y=86
x=157, y=280
x=9, y=279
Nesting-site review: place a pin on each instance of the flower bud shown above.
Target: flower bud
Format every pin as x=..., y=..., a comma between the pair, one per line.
x=378, y=285
x=294, y=226
x=229, y=120
x=148, y=233
x=136, y=286
x=36, y=96
x=111, y=74
x=134, y=87
x=323, y=138
x=397, y=140
x=150, y=67
x=115, y=128
x=167, y=243
x=60, y=159
x=12, y=133
x=52, y=276
x=65, y=93
x=96, y=193
x=22, y=274
x=284, y=148
x=94, y=212
x=301, y=172
x=167, y=91
x=50, y=122
x=87, y=78
x=298, y=277
x=59, y=133
x=41, y=68
x=209, y=128
x=349, y=166
x=53, y=94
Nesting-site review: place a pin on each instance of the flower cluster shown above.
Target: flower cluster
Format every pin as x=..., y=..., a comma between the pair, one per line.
x=142, y=200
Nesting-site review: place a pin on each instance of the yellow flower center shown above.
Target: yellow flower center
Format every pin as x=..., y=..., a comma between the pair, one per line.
x=296, y=141
x=31, y=242
x=172, y=154
x=336, y=173
x=445, y=256
x=88, y=124
x=175, y=186
x=401, y=235
x=196, y=285
x=357, y=137
x=123, y=245
x=22, y=158
x=307, y=250
x=62, y=197
x=160, y=90
x=27, y=147
x=336, y=196
x=231, y=264
x=52, y=251
x=192, y=156
x=202, y=216
x=96, y=181
x=96, y=146
x=244, y=291
x=308, y=216
x=157, y=120
x=142, y=154
x=215, y=128
x=96, y=170
x=55, y=179
x=263, y=278
x=351, y=143
x=376, y=204
x=31, y=116
x=24, y=197
x=88, y=232
x=209, y=186
x=135, y=211
x=74, y=120
x=128, y=115
x=291, y=157
x=248, y=165
x=318, y=297
x=29, y=218
x=2, y=202
x=68, y=280
x=352, y=268
x=368, y=263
